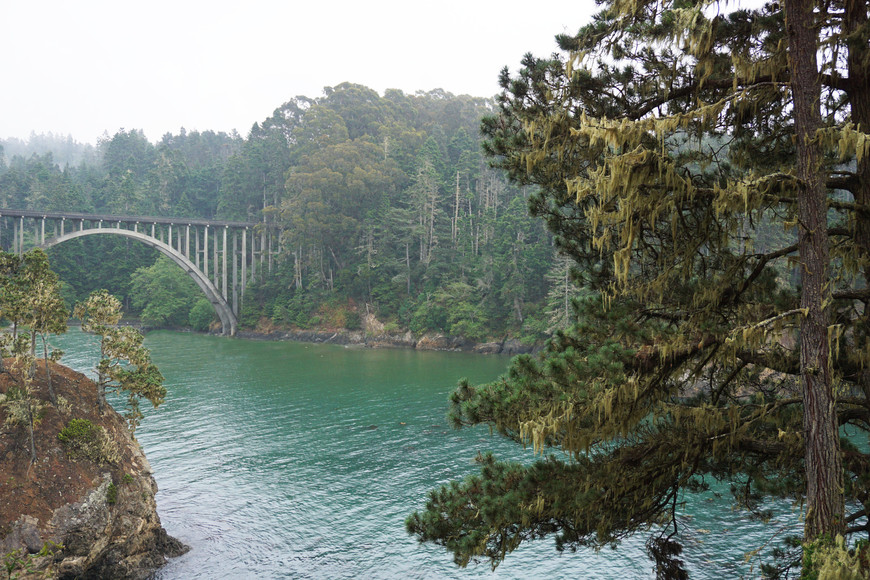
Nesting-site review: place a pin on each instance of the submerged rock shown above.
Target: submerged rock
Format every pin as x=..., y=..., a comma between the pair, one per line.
x=72, y=514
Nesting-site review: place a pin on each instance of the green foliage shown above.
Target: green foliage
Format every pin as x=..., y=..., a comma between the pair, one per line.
x=95, y=262
x=18, y=562
x=353, y=320
x=201, y=315
x=22, y=406
x=111, y=494
x=84, y=440
x=164, y=293
x=383, y=199
x=125, y=364
x=30, y=294
x=663, y=147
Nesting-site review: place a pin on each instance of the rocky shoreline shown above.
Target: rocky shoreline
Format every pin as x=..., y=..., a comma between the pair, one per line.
x=407, y=340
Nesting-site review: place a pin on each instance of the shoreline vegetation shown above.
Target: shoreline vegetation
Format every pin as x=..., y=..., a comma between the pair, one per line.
x=367, y=338
x=386, y=203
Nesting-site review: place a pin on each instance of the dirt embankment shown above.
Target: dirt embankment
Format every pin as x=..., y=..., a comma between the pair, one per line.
x=76, y=517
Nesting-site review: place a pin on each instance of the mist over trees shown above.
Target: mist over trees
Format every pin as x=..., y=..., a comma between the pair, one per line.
x=387, y=207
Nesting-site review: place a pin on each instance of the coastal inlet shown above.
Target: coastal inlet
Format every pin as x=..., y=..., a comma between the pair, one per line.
x=293, y=460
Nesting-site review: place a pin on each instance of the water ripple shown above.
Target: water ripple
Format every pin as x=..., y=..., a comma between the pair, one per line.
x=281, y=460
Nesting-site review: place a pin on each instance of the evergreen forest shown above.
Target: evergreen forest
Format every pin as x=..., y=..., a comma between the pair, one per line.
x=679, y=201
x=387, y=205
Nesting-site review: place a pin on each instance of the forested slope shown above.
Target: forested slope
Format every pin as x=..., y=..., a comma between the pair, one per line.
x=386, y=203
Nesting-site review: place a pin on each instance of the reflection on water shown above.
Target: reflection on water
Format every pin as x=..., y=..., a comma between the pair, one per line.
x=287, y=460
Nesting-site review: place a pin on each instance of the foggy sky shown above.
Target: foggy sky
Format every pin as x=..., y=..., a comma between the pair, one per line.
x=92, y=67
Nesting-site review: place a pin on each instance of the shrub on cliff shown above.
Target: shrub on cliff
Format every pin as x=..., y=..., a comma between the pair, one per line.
x=84, y=440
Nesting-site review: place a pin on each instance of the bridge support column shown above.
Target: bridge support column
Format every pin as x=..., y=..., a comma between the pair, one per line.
x=224, y=280
x=262, y=251
x=244, y=262
x=215, y=243
x=235, y=274
x=205, y=253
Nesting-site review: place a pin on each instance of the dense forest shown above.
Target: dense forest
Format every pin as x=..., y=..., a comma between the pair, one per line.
x=386, y=203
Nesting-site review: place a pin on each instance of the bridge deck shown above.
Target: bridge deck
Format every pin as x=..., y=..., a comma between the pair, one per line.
x=126, y=219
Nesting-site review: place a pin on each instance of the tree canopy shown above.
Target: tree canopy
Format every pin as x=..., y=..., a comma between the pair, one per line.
x=707, y=171
x=384, y=202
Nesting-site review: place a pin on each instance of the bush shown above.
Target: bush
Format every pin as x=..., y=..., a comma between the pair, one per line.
x=352, y=320
x=84, y=440
x=201, y=315
x=112, y=494
x=164, y=293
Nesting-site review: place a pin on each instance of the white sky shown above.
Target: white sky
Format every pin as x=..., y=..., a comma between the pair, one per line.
x=86, y=67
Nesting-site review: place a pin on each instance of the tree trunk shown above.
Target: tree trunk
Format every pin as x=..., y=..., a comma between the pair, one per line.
x=30, y=422
x=824, y=473
x=455, y=229
x=101, y=380
x=408, y=265
x=48, y=371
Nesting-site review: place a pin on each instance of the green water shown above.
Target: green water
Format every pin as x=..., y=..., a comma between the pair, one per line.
x=288, y=460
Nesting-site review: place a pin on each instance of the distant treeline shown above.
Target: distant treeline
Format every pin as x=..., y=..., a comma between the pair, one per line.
x=387, y=205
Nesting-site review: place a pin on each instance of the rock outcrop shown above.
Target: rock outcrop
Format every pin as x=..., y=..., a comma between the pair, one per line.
x=73, y=514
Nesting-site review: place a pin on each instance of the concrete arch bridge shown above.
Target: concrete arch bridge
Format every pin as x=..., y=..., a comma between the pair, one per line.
x=222, y=257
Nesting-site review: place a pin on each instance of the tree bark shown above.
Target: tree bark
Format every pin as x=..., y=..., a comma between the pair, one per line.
x=824, y=473
x=48, y=371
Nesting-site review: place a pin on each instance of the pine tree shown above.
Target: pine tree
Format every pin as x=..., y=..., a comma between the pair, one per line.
x=663, y=140
x=125, y=364
x=46, y=311
x=560, y=295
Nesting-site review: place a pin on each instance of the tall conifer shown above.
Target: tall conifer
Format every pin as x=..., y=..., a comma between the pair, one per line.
x=664, y=145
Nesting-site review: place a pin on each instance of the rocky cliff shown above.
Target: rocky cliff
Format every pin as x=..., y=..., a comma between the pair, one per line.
x=85, y=508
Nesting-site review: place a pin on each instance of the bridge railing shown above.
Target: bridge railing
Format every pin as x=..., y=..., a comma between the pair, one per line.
x=109, y=218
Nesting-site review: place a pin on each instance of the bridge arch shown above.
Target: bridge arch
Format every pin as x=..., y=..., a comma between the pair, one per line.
x=223, y=310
